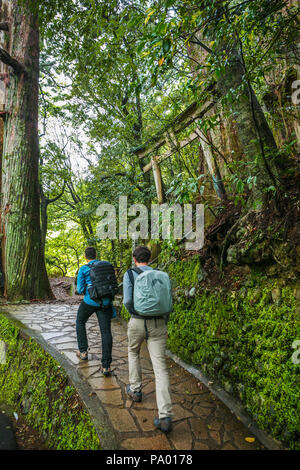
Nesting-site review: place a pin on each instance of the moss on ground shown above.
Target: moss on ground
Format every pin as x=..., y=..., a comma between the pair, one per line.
x=36, y=386
x=244, y=339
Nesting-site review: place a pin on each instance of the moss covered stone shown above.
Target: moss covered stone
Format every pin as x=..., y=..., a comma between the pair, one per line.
x=34, y=384
x=244, y=339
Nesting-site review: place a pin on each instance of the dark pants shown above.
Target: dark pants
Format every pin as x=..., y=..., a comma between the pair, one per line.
x=104, y=320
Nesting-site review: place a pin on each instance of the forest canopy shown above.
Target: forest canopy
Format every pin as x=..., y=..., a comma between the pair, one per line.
x=164, y=101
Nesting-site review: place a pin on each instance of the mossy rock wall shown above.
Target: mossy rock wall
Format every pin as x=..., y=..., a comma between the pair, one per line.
x=34, y=384
x=244, y=339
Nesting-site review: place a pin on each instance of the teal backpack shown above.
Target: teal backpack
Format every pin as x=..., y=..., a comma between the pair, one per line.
x=152, y=293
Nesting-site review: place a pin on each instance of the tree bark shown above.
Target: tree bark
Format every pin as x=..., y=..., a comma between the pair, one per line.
x=158, y=181
x=45, y=201
x=212, y=166
x=246, y=109
x=23, y=259
x=254, y=133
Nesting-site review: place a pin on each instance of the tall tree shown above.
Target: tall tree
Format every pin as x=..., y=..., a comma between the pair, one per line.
x=23, y=261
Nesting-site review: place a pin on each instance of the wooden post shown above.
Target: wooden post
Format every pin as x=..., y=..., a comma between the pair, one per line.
x=212, y=166
x=158, y=180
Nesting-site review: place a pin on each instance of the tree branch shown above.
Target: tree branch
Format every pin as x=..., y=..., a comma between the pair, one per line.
x=50, y=201
x=112, y=176
x=75, y=197
x=201, y=44
x=8, y=60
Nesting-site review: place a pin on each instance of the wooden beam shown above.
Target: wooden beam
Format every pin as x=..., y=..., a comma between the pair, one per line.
x=159, y=138
x=181, y=144
x=171, y=139
x=182, y=121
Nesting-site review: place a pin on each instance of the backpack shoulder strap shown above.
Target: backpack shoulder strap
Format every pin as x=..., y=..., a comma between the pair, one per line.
x=137, y=270
x=130, y=275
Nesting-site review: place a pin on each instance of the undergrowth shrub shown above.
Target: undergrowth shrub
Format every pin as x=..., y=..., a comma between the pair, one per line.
x=34, y=384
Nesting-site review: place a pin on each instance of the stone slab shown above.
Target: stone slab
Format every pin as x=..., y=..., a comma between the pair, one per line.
x=147, y=443
x=103, y=383
x=181, y=413
x=199, y=428
x=121, y=420
x=110, y=397
x=145, y=419
x=181, y=436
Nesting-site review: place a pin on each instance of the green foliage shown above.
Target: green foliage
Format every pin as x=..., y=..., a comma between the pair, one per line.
x=33, y=383
x=244, y=340
x=184, y=190
x=124, y=313
x=65, y=252
x=119, y=73
x=186, y=274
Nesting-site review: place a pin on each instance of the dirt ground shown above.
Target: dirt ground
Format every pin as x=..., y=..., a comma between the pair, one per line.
x=25, y=436
x=28, y=438
x=62, y=289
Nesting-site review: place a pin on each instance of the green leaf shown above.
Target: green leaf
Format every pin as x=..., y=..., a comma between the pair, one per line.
x=149, y=16
x=140, y=47
x=166, y=45
x=153, y=80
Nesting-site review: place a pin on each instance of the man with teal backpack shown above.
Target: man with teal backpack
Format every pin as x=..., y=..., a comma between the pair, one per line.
x=148, y=298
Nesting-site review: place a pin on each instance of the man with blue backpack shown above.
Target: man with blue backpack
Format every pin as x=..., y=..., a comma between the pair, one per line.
x=148, y=298
x=97, y=281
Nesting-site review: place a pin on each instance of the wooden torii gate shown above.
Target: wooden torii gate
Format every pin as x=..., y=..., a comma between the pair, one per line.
x=169, y=136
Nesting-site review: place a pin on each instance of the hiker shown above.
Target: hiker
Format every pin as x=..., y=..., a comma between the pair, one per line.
x=97, y=281
x=149, y=308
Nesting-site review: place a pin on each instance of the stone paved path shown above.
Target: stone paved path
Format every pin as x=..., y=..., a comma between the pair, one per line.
x=201, y=421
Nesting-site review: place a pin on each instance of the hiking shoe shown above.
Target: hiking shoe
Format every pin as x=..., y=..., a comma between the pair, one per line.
x=106, y=371
x=135, y=396
x=164, y=424
x=82, y=355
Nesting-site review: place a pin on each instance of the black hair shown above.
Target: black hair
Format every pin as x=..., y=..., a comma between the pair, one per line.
x=90, y=253
x=142, y=254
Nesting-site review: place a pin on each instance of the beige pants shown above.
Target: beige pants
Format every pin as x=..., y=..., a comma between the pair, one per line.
x=156, y=343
